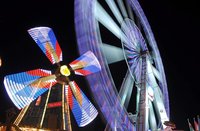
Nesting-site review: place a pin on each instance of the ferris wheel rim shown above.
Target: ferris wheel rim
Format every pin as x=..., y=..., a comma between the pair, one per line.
x=86, y=41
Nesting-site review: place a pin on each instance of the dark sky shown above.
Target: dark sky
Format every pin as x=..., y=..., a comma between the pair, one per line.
x=175, y=26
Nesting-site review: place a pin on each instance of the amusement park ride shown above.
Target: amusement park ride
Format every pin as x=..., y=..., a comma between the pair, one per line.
x=25, y=87
x=135, y=45
x=125, y=21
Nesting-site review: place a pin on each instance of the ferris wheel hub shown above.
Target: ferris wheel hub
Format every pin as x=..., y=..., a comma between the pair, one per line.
x=143, y=53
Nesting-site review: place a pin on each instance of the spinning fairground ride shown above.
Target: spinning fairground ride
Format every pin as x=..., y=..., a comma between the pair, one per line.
x=46, y=97
x=118, y=33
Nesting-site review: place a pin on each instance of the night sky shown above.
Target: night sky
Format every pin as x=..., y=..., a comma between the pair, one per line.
x=175, y=26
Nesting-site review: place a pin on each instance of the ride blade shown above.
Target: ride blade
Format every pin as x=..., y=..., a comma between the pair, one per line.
x=82, y=109
x=25, y=87
x=46, y=40
x=86, y=64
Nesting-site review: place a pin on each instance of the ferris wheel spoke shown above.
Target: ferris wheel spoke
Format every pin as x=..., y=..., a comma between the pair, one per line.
x=126, y=89
x=117, y=53
x=159, y=107
x=158, y=97
x=153, y=84
x=138, y=71
x=122, y=8
x=152, y=117
x=130, y=12
x=152, y=69
x=156, y=73
x=105, y=19
x=115, y=10
x=151, y=77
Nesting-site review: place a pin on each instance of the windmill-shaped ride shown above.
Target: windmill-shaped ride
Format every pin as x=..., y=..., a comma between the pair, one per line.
x=25, y=87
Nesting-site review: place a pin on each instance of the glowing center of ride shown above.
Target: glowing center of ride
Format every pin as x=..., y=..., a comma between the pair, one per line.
x=64, y=70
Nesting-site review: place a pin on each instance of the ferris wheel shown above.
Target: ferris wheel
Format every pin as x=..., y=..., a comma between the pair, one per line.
x=127, y=24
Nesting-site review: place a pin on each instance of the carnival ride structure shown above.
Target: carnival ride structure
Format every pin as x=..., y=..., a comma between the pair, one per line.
x=123, y=24
x=26, y=89
x=134, y=44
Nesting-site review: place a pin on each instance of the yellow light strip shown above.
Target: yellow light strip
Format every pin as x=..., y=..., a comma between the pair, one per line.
x=65, y=111
x=42, y=80
x=76, y=93
x=50, y=49
x=21, y=115
x=63, y=106
x=69, y=128
x=45, y=107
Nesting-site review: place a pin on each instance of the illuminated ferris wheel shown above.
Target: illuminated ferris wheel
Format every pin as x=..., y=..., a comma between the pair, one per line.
x=132, y=42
